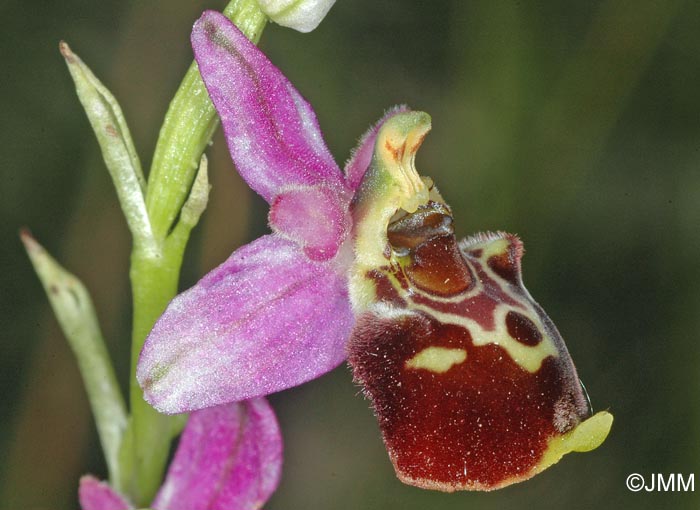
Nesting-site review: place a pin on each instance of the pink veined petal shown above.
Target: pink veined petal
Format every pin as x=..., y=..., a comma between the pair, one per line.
x=272, y=132
x=315, y=217
x=361, y=157
x=265, y=320
x=96, y=495
x=229, y=457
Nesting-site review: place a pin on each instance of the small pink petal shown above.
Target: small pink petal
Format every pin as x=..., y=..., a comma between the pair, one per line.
x=361, y=157
x=229, y=457
x=315, y=217
x=96, y=495
x=265, y=320
x=272, y=132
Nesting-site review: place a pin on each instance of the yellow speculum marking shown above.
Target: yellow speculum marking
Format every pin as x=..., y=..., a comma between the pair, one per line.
x=437, y=359
x=529, y=358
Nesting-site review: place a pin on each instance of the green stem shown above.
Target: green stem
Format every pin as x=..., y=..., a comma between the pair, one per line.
x=154, y=282
x=189, y=125
x=187, y=129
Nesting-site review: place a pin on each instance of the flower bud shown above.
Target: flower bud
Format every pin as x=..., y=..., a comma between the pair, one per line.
x=301, y=15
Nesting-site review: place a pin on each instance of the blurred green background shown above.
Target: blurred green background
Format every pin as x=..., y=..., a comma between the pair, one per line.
x=574, y=124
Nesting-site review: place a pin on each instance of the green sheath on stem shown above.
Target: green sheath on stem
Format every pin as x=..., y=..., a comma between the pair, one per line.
x=188, y=127
x=160, y=216
x=72, y=306
x=174, y=200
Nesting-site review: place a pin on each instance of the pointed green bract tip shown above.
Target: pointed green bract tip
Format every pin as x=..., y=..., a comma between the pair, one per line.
x=118, y=150
x=73, y=307
x=55, y=279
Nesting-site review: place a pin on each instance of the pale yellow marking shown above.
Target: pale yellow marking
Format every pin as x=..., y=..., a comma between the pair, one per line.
x=529, y=357
x=497, y=247
x=395, y=185
x=363, y=292
x=437, y=359
x=491, y=243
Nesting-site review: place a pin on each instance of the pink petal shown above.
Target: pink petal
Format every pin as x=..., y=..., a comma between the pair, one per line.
x=266, y=319
x=229, y=457
x=271, y=130
x=361, y=157
x=96, y=495
x=316, y=218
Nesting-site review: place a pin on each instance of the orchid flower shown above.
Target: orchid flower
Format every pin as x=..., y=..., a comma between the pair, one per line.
x=229, y=457
x=470, y=380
